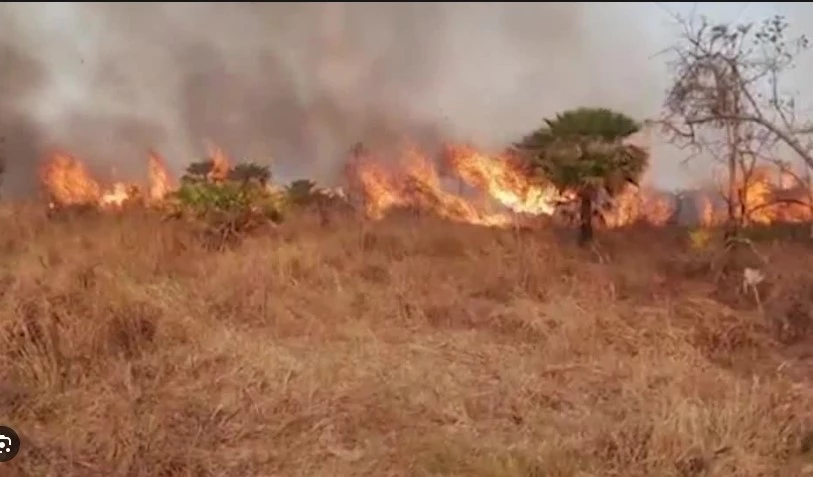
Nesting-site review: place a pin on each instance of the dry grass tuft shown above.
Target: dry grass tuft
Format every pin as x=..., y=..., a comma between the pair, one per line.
x=410, y=347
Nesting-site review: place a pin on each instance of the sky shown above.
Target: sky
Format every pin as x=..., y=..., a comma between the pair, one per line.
x=296, y=84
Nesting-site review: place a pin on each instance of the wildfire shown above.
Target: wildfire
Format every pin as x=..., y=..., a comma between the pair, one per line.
x=768, y=195
x=67, y=181
x=160, y=181
x=772, y=195
x=498, y=191
x=115, y=197
x=220, y=164
x=412, y=182
x=644, y=204
x=503, y=180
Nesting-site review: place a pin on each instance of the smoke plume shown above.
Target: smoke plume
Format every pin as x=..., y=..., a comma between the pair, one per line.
x=296, y=85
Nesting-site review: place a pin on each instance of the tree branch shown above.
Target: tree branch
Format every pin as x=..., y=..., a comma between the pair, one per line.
x=784, y=136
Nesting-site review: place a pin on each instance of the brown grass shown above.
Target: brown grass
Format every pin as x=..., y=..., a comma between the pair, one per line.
x=406, y=348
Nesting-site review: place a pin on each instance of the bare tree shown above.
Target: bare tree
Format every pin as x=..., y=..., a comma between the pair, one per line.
x=726, y=99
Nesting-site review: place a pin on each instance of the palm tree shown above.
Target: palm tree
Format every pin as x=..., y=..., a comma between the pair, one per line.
x=582, y=151
x=301, y=191
x=246, y=172
x=198, y=171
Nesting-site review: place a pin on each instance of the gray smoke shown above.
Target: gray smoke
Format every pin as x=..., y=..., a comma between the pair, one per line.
x=20, y=136
x=296, y=85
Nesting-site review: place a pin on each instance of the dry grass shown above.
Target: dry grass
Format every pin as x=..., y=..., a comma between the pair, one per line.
x=394, y=349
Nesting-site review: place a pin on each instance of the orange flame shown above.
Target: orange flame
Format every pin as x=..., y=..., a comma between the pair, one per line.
x=412, y=182
x=159, y=181
x=507, y=192
x=502, y=180
x=220, y=165
x=68, y=181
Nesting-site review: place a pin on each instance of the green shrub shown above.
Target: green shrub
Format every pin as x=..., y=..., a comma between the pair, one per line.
x=203, y=198
x=225, y=211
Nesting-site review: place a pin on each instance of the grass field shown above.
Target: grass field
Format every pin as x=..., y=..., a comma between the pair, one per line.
x=409, y=347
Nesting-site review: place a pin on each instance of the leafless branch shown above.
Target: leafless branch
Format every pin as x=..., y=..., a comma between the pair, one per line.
x=778, y=202
x=717, y=64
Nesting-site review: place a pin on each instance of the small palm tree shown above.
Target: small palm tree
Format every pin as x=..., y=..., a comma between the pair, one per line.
x=246, y=172
x=301, y=191
x=582, y=151
x=198, y=171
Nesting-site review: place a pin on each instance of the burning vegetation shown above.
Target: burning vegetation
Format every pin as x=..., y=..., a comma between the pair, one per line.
x=460, y=184
x=428, y=333
x=385, y=347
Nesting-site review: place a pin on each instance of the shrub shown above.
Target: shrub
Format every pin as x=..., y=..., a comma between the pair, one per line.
x=224, y=211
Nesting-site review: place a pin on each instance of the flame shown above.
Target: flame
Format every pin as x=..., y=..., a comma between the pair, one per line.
x=709, y=215
x=500, y=191
x=503, y=180
x=640, y=204
x=116, y=196
x=770, y=194
x=221, y=165
x=160, y=183
x=776, y=194
x=412, y=182
x=68, y=181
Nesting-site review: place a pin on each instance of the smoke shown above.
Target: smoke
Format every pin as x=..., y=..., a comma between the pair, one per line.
x=21, y=77
x=296, y=85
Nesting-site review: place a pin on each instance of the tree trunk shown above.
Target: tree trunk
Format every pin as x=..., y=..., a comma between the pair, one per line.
x=808, y=184
x=585, y=217
x=733, y=137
